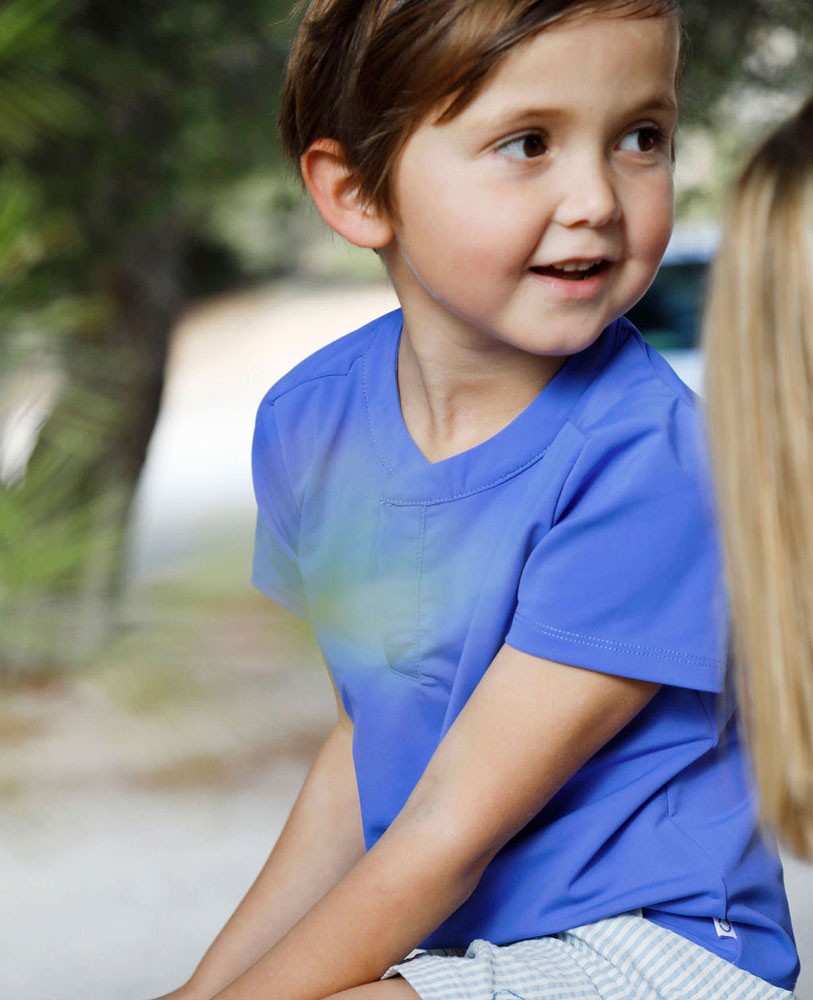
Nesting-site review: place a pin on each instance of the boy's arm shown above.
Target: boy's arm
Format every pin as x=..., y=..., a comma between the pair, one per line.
x=528, y=727
x=320, y=843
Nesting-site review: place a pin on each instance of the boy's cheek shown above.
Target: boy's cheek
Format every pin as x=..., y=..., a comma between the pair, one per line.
x=655, y=218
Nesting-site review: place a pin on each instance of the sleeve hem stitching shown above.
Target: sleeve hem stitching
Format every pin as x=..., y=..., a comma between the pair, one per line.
x=612, y=645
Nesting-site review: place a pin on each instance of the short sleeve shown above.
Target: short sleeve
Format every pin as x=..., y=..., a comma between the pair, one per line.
x=275, y=568
x=628, y=580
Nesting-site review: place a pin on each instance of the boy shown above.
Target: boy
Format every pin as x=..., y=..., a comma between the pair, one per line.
x=491, y=505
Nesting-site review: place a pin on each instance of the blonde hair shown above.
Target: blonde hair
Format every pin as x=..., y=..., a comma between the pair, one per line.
x=759, y=392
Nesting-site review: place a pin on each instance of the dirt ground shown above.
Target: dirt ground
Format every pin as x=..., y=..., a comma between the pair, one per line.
x=139, y=798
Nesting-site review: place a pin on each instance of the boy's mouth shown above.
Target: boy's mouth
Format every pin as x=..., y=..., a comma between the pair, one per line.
x=573, y=270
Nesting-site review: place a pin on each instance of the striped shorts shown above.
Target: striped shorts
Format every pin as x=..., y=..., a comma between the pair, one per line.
x=622, y=958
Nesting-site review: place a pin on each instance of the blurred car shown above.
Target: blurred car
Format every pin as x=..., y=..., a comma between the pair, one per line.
x=670, y=313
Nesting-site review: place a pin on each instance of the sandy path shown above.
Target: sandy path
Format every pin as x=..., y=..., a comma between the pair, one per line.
x=224, y=358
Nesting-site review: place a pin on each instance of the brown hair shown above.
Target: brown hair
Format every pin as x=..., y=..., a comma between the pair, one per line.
x=759, y=387
x=367, y=72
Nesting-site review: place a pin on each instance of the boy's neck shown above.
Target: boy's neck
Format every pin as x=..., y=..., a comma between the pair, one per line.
x=454, y=398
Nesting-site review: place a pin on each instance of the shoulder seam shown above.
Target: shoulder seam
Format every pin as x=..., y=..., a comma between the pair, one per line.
x=308, y=370
x=273, y=397
x=566, y=479
x=641, y=345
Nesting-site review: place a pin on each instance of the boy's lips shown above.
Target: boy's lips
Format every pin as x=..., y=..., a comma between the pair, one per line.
x=576, y=279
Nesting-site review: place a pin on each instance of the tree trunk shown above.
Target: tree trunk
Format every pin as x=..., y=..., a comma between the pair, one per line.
x=64, y=574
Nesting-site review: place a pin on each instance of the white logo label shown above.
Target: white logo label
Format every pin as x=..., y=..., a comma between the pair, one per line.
x=724, y=929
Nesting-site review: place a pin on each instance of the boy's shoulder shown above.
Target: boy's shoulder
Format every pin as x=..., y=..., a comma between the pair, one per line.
x=335, y=360
x=636, y=410
x=632, y=380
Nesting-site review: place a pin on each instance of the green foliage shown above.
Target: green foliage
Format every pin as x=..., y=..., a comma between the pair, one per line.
x=120, y=127
x=742, y=50
x=750, y=63
x=35, y=98
x=39, y=541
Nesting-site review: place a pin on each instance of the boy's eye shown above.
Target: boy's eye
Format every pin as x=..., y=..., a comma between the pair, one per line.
x=524, y=147
x=643, y=140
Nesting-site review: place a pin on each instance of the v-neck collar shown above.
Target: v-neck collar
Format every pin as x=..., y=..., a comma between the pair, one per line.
x=413, y=478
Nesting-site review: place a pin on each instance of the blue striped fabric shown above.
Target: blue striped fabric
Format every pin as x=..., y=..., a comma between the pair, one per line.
x=622, y=958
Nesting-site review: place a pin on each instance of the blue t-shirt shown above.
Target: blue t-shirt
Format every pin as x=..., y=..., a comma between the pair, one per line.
x=582, y=533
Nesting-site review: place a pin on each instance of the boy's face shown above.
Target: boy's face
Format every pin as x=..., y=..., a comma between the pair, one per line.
x=541, y=212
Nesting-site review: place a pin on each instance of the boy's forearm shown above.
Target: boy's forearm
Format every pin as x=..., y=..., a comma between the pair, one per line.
x=527, y=728
x=393, y=898
x=321, y=841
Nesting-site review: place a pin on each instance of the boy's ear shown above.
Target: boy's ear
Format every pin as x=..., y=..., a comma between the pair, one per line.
x=327, y=178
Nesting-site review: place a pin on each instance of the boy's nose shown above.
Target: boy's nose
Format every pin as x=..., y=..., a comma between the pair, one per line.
x=587, y=194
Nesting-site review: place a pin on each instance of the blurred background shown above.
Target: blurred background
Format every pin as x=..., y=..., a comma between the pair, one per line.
x=159, y=269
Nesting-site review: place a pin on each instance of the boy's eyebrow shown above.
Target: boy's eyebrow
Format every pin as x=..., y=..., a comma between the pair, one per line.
x=522, y=113
x=662, y=102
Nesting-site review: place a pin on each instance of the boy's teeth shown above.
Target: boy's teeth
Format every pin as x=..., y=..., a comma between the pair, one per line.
x=573, y=267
